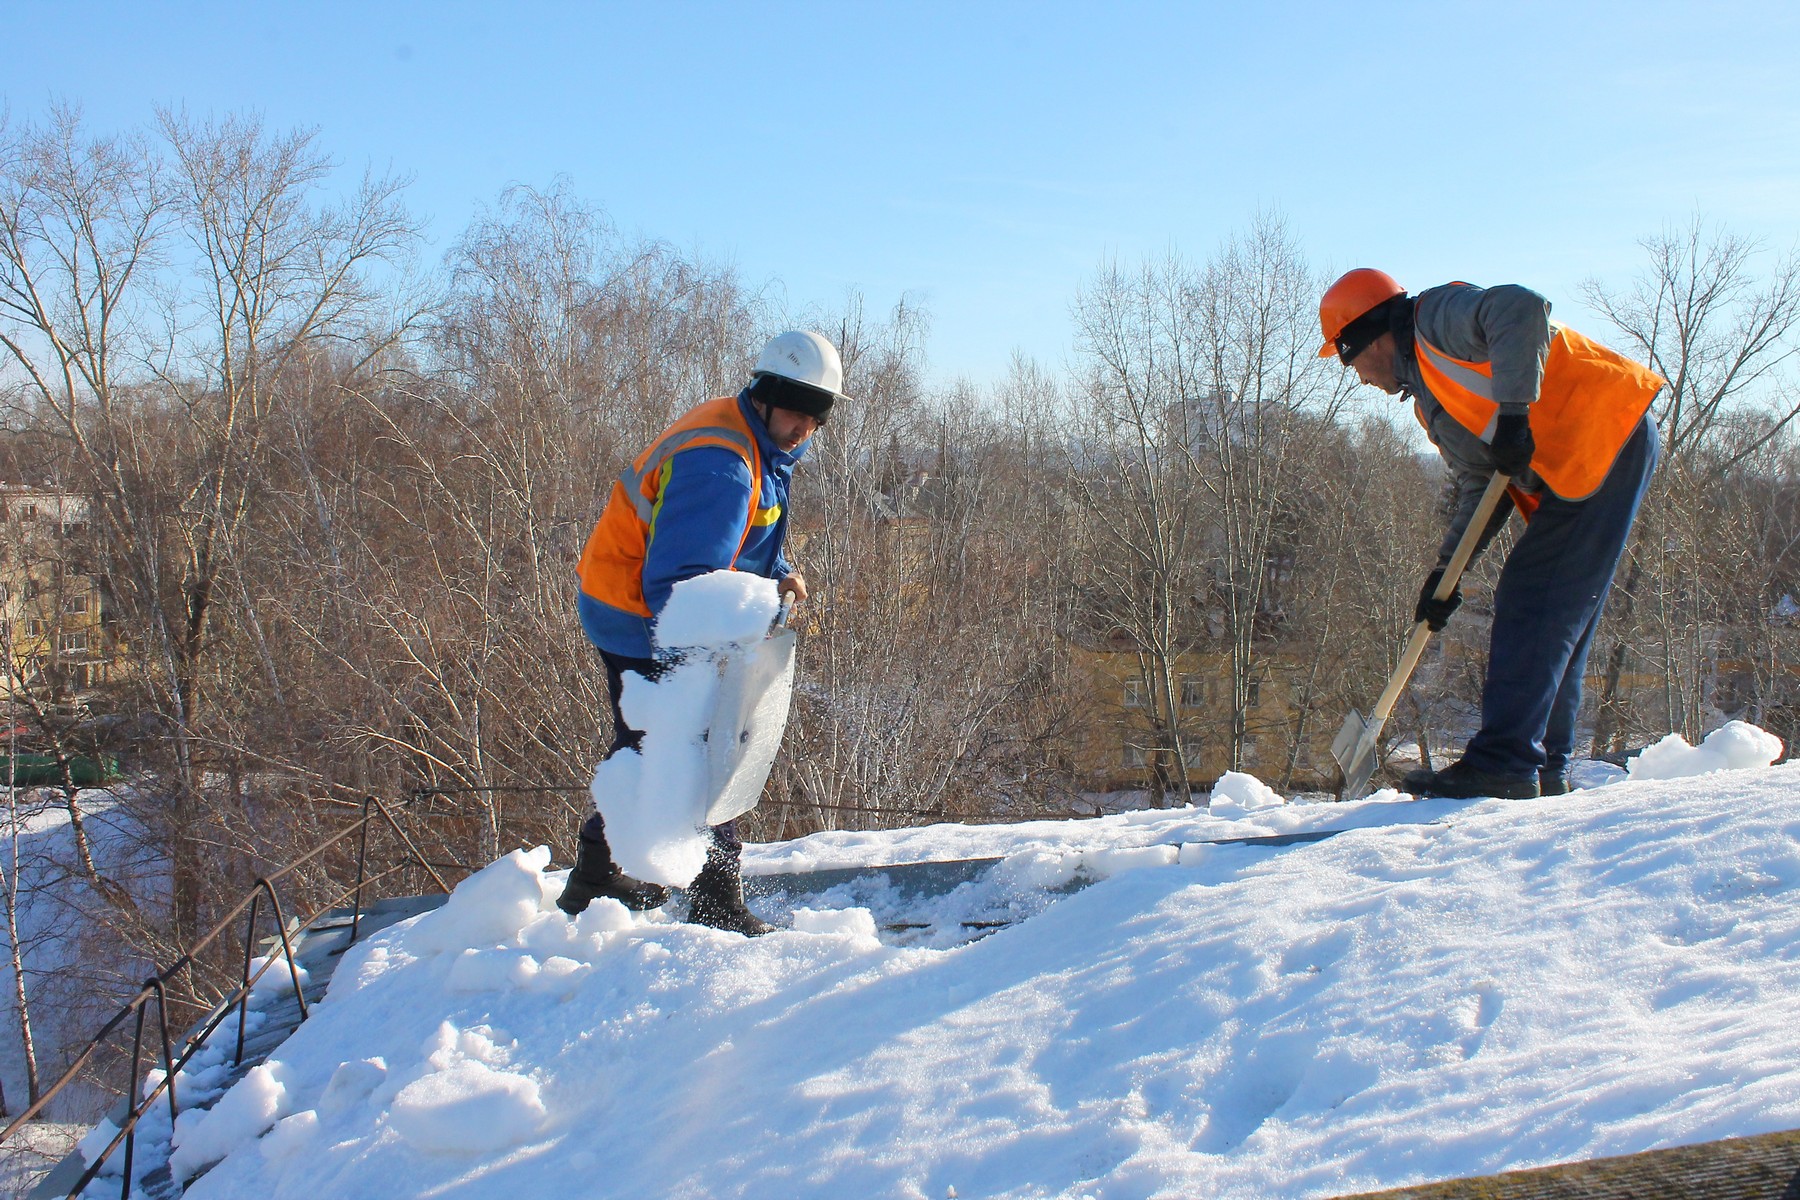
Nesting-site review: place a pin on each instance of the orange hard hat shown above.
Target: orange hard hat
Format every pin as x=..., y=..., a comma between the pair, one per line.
x=1355, y=293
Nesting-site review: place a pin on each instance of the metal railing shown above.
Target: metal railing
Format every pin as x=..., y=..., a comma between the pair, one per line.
x=150, y=1005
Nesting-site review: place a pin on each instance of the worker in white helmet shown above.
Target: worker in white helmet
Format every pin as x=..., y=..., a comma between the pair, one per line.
x=710, y=493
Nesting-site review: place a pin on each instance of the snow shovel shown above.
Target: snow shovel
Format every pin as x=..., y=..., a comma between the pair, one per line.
x=750, y=710
x=1357, y=744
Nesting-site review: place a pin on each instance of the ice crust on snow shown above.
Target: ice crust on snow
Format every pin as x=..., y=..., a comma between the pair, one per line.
x=1446, y=988
x=654, y=802
x=1733, y=746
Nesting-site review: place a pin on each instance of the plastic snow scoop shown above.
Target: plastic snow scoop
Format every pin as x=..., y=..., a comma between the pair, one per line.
x=1356, y=747
x=750, y=711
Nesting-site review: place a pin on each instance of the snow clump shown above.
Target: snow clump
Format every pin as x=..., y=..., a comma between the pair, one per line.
x=206, y=1135
x=717, y=609
x=486, y=909
x=858, y=924
x=1733, y=746
x=1237, y=793
x=469, y=1108
x=657, y=830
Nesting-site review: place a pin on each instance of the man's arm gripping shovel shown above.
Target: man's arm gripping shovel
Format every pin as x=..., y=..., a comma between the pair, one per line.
x=1357, y=744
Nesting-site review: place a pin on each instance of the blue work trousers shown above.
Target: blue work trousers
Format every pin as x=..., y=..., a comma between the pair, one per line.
x=1551, y=593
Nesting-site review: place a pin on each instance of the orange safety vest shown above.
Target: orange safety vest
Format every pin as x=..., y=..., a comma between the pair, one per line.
x=612, y=563
x=1588, y=405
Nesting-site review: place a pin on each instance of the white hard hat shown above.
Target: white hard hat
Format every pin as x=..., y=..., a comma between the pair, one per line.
x=804, y=357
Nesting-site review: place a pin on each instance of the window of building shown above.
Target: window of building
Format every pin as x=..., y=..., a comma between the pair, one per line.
x=76, y=603
x=1190, y=753
x=1193, y=693
x=1253, y=694
x=35, y=627
x=73, y=643
x=1134, y=693
x=1133, y=756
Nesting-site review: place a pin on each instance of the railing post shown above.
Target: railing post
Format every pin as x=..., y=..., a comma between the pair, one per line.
x=362, y=870
x=287, y=947
x=243, y=1006
x=137, y=1047
x=168, y=1048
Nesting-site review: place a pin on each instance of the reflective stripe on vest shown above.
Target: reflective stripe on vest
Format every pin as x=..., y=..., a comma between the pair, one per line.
x=651, y=461
x=1588, y=405
x=612, y=563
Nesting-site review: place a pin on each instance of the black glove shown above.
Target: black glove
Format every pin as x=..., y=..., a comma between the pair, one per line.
x=1436, y=613
x=1512, y=446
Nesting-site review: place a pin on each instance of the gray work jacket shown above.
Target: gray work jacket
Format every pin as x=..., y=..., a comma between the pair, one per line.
x=1507, y=327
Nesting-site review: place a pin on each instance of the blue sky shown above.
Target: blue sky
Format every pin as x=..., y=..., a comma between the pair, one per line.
x=984, y=159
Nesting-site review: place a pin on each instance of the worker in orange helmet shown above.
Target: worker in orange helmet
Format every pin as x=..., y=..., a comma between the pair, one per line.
x=1500, y=387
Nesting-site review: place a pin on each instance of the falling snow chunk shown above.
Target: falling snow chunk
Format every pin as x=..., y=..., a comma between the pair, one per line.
x=654, y=801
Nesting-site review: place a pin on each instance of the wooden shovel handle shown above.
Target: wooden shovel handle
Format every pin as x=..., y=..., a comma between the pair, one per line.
x=1459, y=559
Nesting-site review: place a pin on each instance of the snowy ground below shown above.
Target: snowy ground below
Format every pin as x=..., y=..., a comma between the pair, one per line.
x=1442, y=989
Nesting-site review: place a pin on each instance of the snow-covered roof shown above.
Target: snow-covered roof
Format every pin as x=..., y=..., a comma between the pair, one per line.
x=1438, y=989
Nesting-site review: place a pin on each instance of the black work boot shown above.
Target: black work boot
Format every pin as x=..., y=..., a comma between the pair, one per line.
x=596, y=874
x=716, y=897
x=1552, y=783
x=1460, y=781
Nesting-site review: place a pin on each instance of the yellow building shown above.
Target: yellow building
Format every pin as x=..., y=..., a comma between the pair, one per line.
x=51, y=630
x=1130, y=737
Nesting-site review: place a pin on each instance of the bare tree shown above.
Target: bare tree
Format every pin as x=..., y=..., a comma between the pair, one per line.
x=154, y=301
x=1721, y=332
x=1130, y=469
x=1254, y=446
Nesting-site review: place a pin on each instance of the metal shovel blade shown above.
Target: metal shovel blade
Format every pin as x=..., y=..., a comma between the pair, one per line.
x=1354, y=750
x=750, y=711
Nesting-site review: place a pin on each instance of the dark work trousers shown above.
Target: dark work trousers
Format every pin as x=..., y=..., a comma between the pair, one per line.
x=1551, y=593
x=627, y=738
